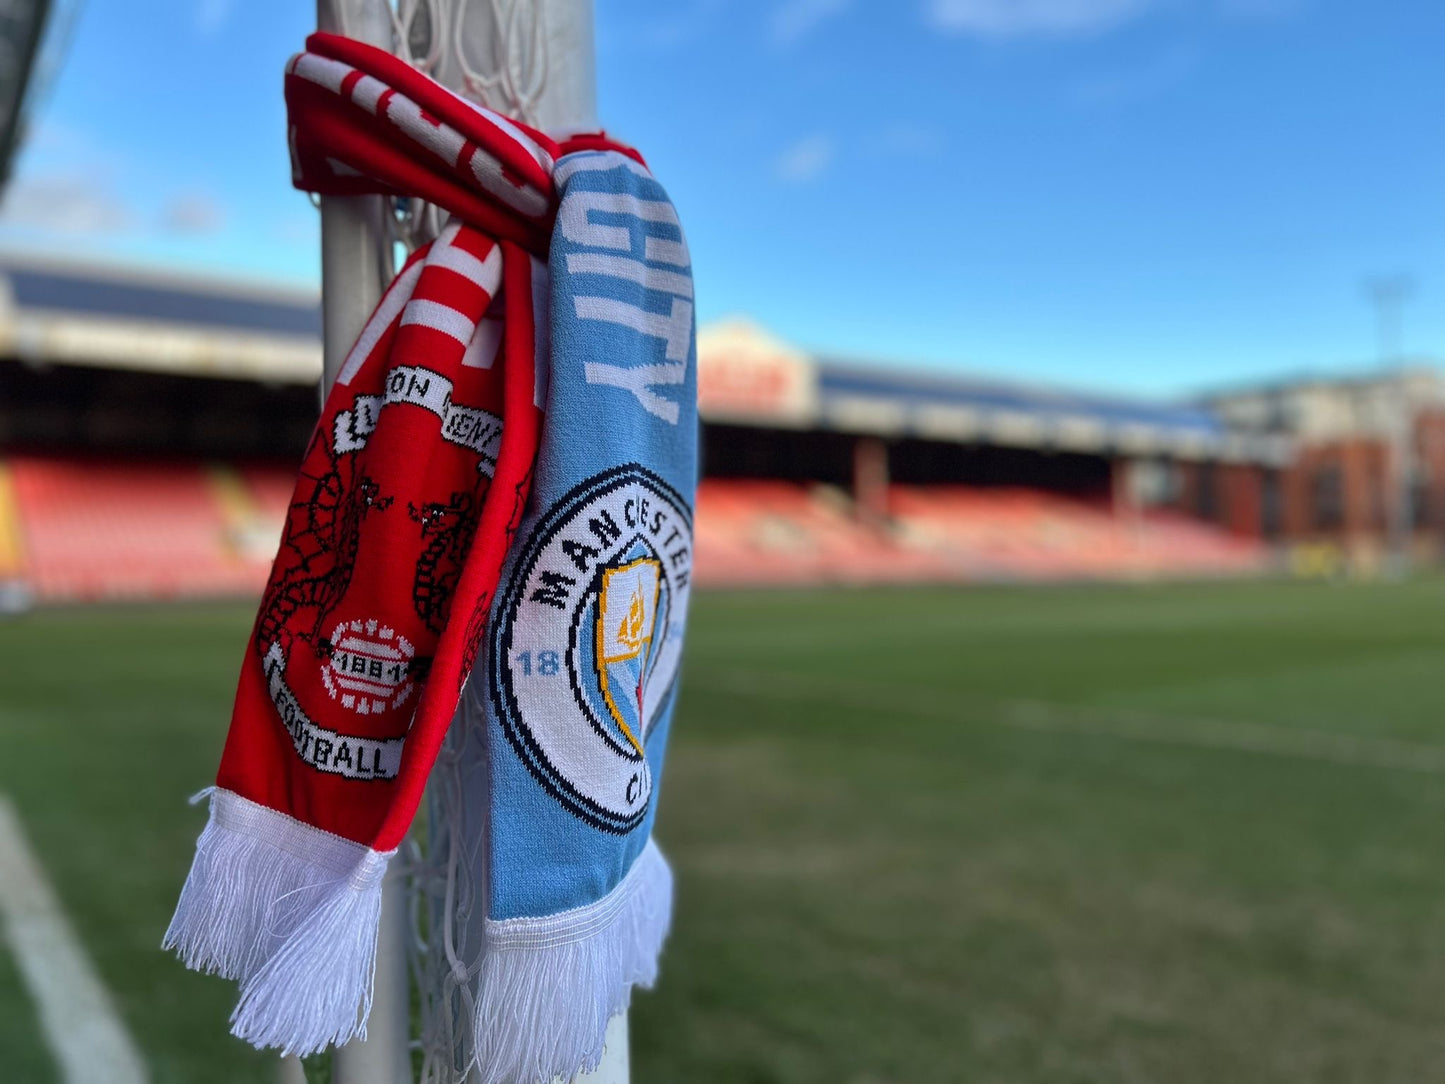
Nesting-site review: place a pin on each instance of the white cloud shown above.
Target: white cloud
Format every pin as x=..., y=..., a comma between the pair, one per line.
x=45, y=136
x=1154, y=76
x=912, y=139
x=295, y=230
x=796, y=19
x=62, y=203
x=192, y=213
x=1260, y=9
x=665, y=28
x=212, y=16
x=805, y=160
x=69, y=182
x=1000, y=19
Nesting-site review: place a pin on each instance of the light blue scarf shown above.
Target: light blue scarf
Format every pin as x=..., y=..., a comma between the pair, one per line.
x=565, y=719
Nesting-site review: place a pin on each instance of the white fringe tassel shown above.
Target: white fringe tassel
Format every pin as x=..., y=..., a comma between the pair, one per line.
x=289, y=911
x=549, y=985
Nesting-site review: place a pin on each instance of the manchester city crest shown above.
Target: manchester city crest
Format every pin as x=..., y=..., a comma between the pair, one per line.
x=587, y=647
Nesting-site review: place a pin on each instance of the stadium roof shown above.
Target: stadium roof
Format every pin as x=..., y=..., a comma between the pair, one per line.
x=93, y=314
x=121, y=317
x=159, y=300
x=940, y=405
x=748, y=377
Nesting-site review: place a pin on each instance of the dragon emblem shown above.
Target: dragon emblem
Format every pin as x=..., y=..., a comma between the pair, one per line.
x=447, y=529
x=322, y=537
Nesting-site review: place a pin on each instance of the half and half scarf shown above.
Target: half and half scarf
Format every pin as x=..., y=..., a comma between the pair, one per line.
x=494, y=511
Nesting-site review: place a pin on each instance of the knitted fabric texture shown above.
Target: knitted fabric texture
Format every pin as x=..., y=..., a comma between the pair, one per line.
x=494, y=510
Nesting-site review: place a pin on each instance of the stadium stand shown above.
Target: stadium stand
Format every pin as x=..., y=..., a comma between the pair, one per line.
x=94, y=530
x=1023, y=534
x=83, y=530
x=758, y=533
x=149, y=429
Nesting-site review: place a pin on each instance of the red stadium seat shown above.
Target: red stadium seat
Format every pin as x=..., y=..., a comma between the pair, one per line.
x=759, y=532
x=93, y=529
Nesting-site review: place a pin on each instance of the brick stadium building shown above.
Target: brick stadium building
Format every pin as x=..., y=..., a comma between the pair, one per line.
x=150, y=425
x=1367, y=473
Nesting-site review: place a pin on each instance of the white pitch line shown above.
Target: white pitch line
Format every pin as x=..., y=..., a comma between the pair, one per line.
x=90, y=1044
x=1082, y=720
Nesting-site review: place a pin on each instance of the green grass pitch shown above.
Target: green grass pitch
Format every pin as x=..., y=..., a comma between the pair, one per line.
x=1181, y=834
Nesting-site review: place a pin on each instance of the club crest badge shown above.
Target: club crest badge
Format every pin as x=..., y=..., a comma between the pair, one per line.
x=369, y=669
x=587, y=647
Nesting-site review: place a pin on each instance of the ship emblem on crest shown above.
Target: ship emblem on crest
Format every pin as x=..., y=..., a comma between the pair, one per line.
x=624, y=640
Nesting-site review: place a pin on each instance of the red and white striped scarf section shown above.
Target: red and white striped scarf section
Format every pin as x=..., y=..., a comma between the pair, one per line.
x=363, y=121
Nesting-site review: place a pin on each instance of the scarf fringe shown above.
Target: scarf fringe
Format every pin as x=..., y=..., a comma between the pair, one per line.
x=292, y=914
x=550, y=985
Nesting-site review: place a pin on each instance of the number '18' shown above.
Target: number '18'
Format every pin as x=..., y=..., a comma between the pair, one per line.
x=548, y=663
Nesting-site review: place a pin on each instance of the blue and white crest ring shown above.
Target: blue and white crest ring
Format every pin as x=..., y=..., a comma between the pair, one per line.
x=589, y=637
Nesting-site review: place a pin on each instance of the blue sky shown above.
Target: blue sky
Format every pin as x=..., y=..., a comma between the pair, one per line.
x=1148, y=195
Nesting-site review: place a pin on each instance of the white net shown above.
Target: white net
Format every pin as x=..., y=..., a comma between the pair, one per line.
x=500, y=49
x=448, y=906
x=493, y=52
